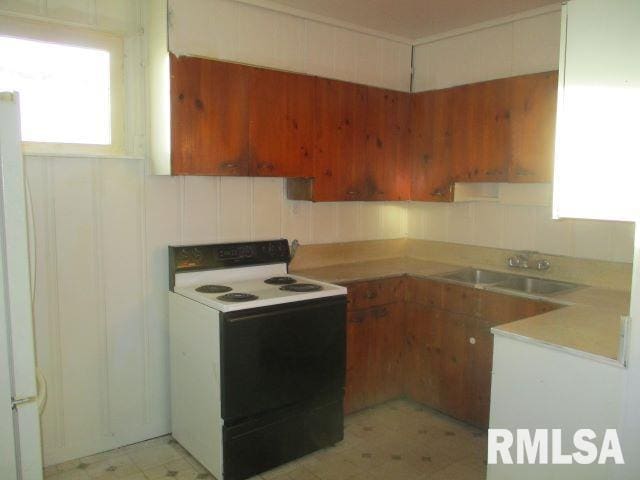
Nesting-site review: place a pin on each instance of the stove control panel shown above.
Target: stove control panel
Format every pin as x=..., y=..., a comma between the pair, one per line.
x=224, y=255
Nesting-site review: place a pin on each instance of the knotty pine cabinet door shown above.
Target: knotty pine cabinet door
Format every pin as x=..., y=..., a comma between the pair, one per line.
x=385, y=361
x=456, y=362
x=533, y=127
x=359, y=334
x=209, y=117
x=438, y=360
x=282, y=123
x=423, y=354
x=339, y=156
x=481, y=140
x=430, y=146
x=386, y=169
x=375, y=340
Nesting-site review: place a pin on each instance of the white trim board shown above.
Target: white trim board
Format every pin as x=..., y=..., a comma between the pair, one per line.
x=536, y=12
x=269, y=5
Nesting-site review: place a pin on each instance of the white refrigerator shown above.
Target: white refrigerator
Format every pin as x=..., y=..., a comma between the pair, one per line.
x=20, y=443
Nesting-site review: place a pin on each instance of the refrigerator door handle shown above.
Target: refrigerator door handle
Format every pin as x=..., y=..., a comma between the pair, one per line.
x=18, y=402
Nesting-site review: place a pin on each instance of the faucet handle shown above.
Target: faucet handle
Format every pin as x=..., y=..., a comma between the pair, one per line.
x=543, y=264
x=513, y=261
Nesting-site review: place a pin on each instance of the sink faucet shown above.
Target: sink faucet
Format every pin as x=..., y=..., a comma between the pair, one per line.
x=523, y=260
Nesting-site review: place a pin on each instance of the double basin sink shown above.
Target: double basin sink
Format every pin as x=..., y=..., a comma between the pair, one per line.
x=507, y=282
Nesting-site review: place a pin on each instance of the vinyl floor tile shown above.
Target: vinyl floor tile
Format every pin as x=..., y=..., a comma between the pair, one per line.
x=399, y=440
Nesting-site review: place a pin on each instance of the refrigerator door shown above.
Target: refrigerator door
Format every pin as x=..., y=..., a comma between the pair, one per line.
x=18, y=364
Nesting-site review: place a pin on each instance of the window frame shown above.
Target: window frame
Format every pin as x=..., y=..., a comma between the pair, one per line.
x=78, y=37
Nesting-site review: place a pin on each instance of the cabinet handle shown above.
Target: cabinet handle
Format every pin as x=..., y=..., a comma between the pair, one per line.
x=356, y=320
x=230, y=165
x=370, y=295
x=380, y=312
x=352, y=192
x=472, y=340
x=521, y=172
x=438, y=193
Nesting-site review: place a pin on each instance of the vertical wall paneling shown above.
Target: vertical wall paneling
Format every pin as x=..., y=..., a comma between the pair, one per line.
x=200, y=196
x=123, y=300
x=79, y=299
x=235, y=208
x=162, y=228
x=324, y=226
x=228, y=30
x=142, y=219
x=524, y=46
x=520, y=227
x=103, y=328
x=268, y=199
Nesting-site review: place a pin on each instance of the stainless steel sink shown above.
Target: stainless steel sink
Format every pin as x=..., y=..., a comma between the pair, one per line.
x=507, y=282
x=476, y=276
x=535, y=286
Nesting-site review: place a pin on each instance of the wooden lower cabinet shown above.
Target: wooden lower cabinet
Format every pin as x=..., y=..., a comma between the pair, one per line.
x=479, y=375
x=375, y=342
x=440, y=363
x=428, y=340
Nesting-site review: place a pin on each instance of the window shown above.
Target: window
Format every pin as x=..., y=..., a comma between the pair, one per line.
x=70, y=85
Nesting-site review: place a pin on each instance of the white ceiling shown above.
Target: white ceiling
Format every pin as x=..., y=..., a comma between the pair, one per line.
x=414, y=19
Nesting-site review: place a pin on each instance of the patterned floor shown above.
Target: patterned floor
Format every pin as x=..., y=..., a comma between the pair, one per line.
x=397, y=440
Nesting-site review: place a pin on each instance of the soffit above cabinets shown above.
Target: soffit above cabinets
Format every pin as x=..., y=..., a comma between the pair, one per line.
x=411, y=19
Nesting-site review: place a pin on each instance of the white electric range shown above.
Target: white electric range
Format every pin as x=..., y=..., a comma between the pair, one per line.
x=242, y=288
x=257, y=357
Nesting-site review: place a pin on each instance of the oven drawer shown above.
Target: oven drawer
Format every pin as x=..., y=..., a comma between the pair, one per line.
x=273, y=357
x=251, y=449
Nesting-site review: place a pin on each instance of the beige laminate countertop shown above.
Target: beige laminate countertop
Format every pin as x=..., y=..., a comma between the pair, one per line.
x=589, y=325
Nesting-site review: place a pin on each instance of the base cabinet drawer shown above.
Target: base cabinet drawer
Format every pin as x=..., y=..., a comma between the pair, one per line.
x=363, y=295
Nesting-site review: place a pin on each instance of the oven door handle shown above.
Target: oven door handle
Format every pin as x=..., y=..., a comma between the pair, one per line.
x=253, y=314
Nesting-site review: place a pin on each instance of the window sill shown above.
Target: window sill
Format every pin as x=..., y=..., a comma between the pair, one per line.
x=82, y=155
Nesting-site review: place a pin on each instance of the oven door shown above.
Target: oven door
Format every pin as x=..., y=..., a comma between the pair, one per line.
x=275, y=357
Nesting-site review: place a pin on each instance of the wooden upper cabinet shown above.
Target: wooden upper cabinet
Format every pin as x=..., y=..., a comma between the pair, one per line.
x=497, y=131
x=386, y=174
x=533, y=127
x=480, y=144
x=358, y=142
x=340, y=140
x=209, y=117
x=430, y=146
x=282, y=122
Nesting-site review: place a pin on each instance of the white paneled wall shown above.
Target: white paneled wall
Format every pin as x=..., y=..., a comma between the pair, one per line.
x=519, y=227
x=111, y=15
x=234, y=31
x=102, y=227
x=102, y=230
x=523, y=46
x=528, y=45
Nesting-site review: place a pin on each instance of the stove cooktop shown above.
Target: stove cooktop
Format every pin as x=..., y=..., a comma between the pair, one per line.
x=246, y=288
